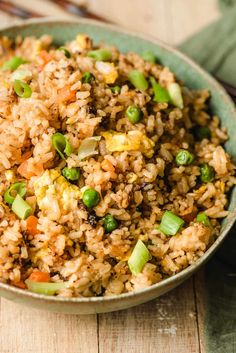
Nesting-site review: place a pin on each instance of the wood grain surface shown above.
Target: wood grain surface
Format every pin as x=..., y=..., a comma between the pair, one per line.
x=170, y=324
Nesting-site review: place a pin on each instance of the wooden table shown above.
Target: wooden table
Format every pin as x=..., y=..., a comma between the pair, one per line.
x=170, y=324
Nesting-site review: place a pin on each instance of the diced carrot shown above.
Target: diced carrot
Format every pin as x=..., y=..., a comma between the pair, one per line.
x=27, y=173
x=19, y=284
x=26, y=155
x=23, y=170
x=65, y=94
x=31, y=224
x=39, y=276
x=45, y=56
x=107, y=166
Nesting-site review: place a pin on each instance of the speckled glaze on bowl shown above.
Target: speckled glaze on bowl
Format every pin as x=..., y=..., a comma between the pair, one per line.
x=195, y=78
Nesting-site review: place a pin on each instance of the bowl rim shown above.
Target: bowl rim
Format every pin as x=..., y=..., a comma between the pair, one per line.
x=185, y=273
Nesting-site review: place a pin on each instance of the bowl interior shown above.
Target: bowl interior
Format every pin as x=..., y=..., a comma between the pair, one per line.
x=184, y=69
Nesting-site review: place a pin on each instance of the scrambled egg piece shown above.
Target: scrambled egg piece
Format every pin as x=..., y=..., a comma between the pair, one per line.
x=55, y=195
x=131, y=141
x=83, y=41
x=108, y=71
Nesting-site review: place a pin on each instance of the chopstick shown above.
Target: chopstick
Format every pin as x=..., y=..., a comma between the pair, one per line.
x=79, y=10
x=16, y=10
x=82, y=11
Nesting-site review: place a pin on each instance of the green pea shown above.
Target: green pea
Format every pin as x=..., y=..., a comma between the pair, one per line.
x=207, y=173
x=66, y=52
x=22, y=89
x=109, y=223
x=147, y=55
x=100, y=54
x=115, y=89
x=71, y=173
x=184, y=157
x=134, y=114
x=203, y=218
x=202, y=132
x=138, y=80
x=87, y=77
x=91, y=198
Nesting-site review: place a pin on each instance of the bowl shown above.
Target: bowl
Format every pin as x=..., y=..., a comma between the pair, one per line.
x=195, y=78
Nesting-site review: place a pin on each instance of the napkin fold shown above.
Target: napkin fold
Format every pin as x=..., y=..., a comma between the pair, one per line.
x=214, y=48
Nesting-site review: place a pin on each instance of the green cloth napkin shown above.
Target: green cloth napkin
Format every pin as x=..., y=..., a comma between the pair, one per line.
x=214, y=48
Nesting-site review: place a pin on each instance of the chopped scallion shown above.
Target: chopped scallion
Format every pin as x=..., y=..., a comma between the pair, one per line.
x=203, y=218
x=13, y=190
x=47, y=288
x=21, y=208
x=139, y=257
x=175, y=94
x=161, y=95
x=138, y=80
x=100, y=54
x=22, y=89
x=66, y=52
x=61, y=145
x=13, y=63
x=170, y=223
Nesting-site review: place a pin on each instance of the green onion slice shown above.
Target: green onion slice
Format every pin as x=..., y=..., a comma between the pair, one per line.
x=13, y=190
x=22, y=89
x=66, y=52
x=161, y=95
x=175, y=93
x=88, y=147
x=13, y=63
x=148, y=55
x=170, y=223
x=21, y=208
x=139, y=257
x=47, y=288
x=138, y=80
x=100, y=54
x=203, y=218
x=61, y=145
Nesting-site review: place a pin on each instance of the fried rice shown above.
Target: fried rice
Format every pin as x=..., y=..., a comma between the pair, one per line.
x=132, y=167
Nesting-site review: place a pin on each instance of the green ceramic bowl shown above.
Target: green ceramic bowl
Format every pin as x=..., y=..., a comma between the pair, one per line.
x=195, y=78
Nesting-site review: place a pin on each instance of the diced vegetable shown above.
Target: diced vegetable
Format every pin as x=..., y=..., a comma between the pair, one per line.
x=148, y=55
x=134, y=114
x=39, y=276
x=91, y=198
x=175, y=93
x=13, y=190
x=100, y=54
x=139, y=257
x=108, y=71
x=161, y=94
x=207, y=173
x=202, y=132
x=203, y=218
x=138, y=80
x=47, y=288
x=61, y=145
x=65, y=94
x=170, y=223
x=184, y=157
x=87, y=77
x=66, y=52
x=31, y=224
x=109, y=223
x=88, y=146
x=115, y=89
x=21, y=208
x=22, y=89
x=71, y=173
x=13, y=63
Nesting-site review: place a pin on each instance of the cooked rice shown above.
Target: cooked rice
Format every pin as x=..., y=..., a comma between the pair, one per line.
x=136, y=189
